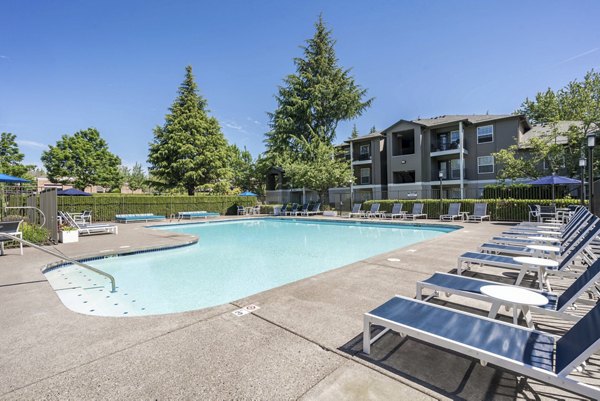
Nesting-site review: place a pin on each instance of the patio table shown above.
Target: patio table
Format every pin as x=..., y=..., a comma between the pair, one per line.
x=520, y=299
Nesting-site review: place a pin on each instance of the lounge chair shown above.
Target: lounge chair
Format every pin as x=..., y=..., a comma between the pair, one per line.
x=302, y=210
x=356, y=210
x=374, y=212
x=417, y=211
x=507, y=262
x=548, y=213
x=11, y=228
x=315, y=209
x=577, y=219
x=479, y=213
x=198, y=214
x=283, y=210
x=469, y=287
x=453, y=212
x=396, y=212
x=521, y=350
x=256, y=209
x=534, y=212
x=241, y=210
x=88, y=229
x=84, y=217
x=128, y=218
x=293, y=210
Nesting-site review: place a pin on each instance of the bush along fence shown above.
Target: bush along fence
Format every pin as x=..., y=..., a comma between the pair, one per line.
x=105, y=207
x=498, y=209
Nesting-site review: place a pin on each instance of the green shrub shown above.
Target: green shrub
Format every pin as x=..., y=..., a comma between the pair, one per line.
x=498, y=209
x=36, y=234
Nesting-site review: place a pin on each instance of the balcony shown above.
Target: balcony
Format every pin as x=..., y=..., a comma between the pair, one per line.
x=443, y=149
x=449, y=175
x=363, y=158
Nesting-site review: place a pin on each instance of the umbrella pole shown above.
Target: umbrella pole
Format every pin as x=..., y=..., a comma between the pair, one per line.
x=553, y=193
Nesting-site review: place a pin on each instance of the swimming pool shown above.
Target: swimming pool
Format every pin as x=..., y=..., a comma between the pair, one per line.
x=232, y=260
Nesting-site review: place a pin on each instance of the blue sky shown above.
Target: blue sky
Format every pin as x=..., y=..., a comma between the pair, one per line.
x=116, y=65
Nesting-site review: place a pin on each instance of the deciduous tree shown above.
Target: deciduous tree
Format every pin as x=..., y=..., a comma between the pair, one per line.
x=11, y=158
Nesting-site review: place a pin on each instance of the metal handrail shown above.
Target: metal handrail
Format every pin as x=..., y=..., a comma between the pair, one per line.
x=66, y=259
x=29, y=207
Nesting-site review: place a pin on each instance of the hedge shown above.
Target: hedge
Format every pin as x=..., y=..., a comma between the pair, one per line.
x=105, y=207
x=498, y=209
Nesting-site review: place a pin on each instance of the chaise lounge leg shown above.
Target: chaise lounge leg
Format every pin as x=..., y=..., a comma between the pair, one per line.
x=366, y=336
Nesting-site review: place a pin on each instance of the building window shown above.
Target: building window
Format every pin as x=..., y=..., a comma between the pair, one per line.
x=485, y=164
x=404, y=177
x=404, y=143
x=364, y=152
x=485, y=134
x=455, y=169
x=444, y=170
x=365, y=176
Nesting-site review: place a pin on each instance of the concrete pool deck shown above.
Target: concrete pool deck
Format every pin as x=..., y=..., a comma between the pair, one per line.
x=303, y=343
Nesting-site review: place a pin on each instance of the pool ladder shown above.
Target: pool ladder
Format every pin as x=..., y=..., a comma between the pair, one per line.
x=65, y=258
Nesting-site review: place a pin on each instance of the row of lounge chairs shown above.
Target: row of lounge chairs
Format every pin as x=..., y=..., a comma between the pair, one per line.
x=479, y=212
x=307, y=209
x=523, y=350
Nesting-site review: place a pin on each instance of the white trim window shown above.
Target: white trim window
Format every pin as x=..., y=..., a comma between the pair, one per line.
x=365, y=176
x=485, y=164
x=485, y=134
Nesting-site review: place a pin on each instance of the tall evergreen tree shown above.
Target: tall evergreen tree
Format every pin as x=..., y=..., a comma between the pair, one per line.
x=372, y=130
x=81, y=160
x=189, y=150
x=354, y=133
x=312, y=102
x=11, y=158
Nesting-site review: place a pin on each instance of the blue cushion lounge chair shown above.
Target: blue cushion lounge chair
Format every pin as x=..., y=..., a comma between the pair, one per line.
x=374, y=212
x=521, y=350
x=453, y=212
x=88, y=229
x=479, y=213
x=11, y=228
x=577, y=218
x=199, y=214
x=283, y=210
x=127, y=218
x=356, y=210
x=553, y=230
x=508, y=262
x=396, y=212
x=292, y=210
x=417, y=211
x=302, y=210
x=315, y=209
x=558, y=305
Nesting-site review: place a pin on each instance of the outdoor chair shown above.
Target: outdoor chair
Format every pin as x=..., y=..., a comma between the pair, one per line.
x=374, y=212
x=302, y=210
x=88, y=229
x=293, y=210
x=479, y=213
x=396, y=211
x=547, y=213
x=417, y=211
x=521, y=350
x=241, y=210
x=283, y=210
x=453, y=212
x=469, y=287
x=356, y=210
x=315, y=209
x=534, y=212
x=11, y=228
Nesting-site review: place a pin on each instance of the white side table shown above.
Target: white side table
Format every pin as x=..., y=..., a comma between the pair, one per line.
x=537, y=264
x=520, y=299
x=545, y=250
x=464, y=216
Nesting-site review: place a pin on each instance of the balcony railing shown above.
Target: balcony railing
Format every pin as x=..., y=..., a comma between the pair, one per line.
x=364, y=156
x=449, y=176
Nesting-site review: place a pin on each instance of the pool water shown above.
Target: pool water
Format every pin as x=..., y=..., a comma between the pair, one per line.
x=231, y=260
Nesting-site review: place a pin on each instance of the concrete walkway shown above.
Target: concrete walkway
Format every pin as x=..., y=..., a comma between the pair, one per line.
x=304, y=342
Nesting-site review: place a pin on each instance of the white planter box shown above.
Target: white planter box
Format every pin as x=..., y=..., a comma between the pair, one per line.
x=67, y=237
x=330, y=213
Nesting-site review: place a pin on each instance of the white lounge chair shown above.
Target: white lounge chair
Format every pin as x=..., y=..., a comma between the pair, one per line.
x=88, y=229
x=396, y=212
x=453, y=212
x=356, y=210
x=417, y=211
x=479, y=213
x=374, y=212
x=521, y=350
x=11, y=228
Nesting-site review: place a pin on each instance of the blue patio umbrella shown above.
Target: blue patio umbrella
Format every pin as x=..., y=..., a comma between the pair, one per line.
x=12, y=180
x=248, y=193
x=554, y=180
x=72, y=192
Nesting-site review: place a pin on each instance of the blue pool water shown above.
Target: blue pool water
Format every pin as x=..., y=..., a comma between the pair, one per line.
x=231, y=260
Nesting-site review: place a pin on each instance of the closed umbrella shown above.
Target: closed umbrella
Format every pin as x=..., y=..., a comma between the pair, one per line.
x=554, y=180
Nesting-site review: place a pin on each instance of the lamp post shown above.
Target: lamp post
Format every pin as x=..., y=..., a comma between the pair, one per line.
x=591, y=143
x=582, y=163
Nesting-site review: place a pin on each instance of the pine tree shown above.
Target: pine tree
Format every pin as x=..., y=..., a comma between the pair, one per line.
x=354, y=133
x=11, y=158
x=372, y=130
x=314, y=100
x=189, y=150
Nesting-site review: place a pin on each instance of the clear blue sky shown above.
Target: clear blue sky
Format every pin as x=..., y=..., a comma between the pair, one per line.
x=116, y=65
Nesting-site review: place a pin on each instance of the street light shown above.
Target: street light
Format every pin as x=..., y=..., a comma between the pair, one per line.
x=591, y=143
x=441, y=175
x=582, y=163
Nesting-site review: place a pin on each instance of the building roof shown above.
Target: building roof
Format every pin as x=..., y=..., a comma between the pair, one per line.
x=540, y=130
x=472, y=119
x=371, y=135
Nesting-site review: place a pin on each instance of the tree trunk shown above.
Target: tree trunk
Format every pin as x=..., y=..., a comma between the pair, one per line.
x=191, y=191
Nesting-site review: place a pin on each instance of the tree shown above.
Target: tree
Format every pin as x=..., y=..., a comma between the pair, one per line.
x=11, y=157
x=189, y=150
x=136, y=178
x=312, y=102
x=323, y=170
x=245, y=173
x=81, y=160
x=354, y=133
x=372, y=130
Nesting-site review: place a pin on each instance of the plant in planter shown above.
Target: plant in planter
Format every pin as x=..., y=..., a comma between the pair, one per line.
x=67, y=234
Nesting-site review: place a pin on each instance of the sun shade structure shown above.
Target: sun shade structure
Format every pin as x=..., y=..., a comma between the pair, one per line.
x=247, y=193
x=72, y=192
x=554, y=180
x=11, y=179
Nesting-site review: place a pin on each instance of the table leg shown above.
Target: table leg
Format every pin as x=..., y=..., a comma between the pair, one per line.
x=527, y=315
x=515, y=314
x=494, y=309
x=521, y=275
